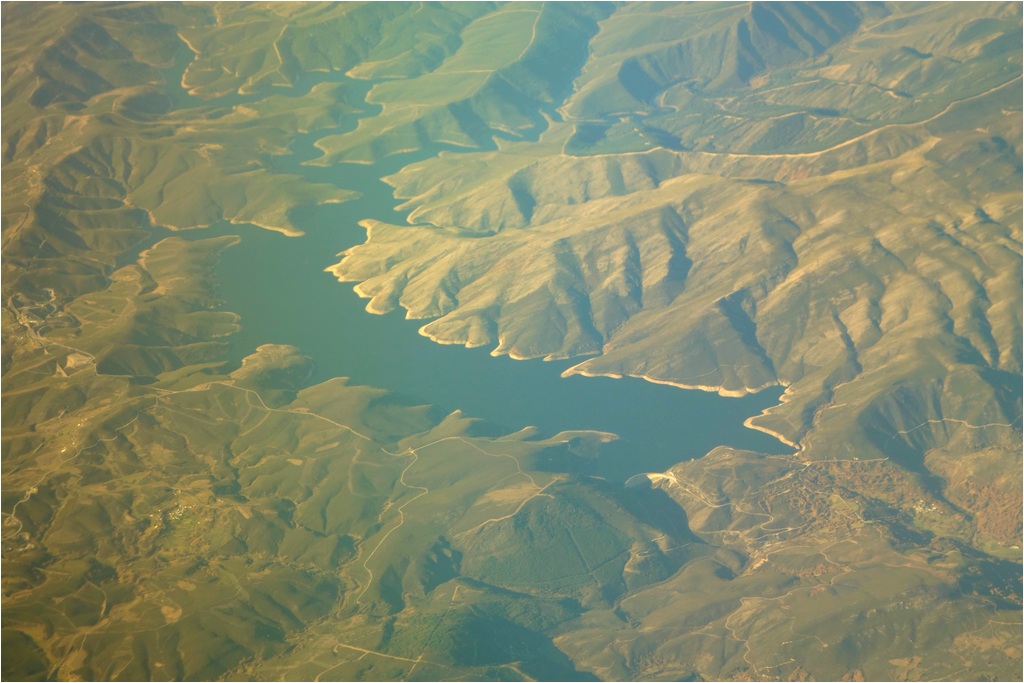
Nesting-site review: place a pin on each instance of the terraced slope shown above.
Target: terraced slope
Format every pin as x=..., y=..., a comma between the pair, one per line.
x=720, y=196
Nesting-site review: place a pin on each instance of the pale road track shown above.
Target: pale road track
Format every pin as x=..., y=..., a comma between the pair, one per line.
x=803, y=155
x=671, y=478
x=262, y=404
x=411, y=452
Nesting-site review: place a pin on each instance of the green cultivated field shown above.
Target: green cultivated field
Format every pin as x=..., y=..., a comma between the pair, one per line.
x=717, y=196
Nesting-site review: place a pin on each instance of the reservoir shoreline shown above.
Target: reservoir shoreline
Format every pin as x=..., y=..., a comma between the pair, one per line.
x=284, y=291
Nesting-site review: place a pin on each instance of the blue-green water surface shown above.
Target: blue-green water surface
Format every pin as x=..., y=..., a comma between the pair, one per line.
x=279, y=287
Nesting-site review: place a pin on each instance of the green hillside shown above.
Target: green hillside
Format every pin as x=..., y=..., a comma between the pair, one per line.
x=723, y=197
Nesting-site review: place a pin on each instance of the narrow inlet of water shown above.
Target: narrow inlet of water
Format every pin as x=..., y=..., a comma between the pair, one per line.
x=278, y=286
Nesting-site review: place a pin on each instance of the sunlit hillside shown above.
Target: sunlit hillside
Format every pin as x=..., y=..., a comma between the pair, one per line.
x=821, y=198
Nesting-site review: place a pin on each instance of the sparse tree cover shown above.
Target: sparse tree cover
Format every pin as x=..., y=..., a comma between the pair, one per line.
x=824, y=198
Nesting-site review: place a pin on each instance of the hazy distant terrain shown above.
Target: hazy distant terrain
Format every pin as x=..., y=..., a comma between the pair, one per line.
x=724, y=197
